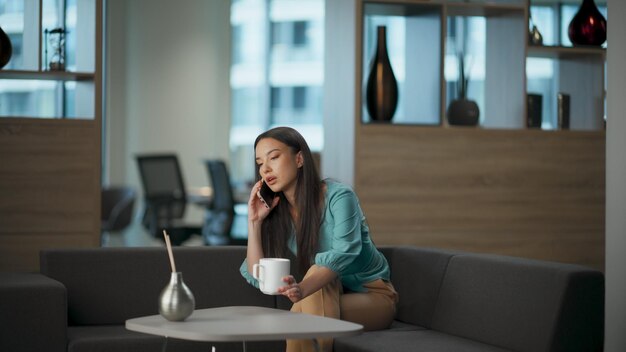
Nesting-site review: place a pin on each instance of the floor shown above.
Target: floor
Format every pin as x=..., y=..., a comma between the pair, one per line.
x=136, y=235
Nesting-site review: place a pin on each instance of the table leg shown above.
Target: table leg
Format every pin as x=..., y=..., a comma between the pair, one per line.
x=244, y=346
x=164, y=344
x=316, y=345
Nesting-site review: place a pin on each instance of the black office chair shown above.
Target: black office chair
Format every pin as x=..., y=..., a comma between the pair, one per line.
x=165, y=197
x=116, y=208
x=219, y=216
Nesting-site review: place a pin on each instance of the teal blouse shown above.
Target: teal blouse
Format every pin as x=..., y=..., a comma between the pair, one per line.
x=345, y=245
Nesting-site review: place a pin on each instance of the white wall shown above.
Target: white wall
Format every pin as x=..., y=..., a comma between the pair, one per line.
x=339, y=99
x=114, y=140
x=167, y=79
x=615, y=338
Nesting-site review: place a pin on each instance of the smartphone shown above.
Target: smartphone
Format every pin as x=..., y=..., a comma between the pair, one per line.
x=267, y=195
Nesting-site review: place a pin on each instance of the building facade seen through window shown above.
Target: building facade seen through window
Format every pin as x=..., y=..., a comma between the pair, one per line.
x=277, y=74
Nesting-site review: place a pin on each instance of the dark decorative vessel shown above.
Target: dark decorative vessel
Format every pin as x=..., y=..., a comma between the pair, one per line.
x=6, y=50
x=382, y=87
x=588, y=27
x=462, y=111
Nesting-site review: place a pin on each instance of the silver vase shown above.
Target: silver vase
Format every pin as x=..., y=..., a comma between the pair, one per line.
x=176, y=301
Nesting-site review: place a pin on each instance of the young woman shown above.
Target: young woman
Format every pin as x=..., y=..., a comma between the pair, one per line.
x=322, y=224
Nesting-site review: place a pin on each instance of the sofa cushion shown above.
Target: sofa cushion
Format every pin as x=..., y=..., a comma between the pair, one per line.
x=403, y=339
x=116, y=338
x=110, y=285
x=521, y=304
x=417, y=274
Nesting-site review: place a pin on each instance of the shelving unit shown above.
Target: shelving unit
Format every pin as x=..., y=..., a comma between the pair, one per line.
x=421, y=69
x=29, y=61
x=486, y=9
x=50, y=169
x=426, y=32
x=499, y=188
x=579, y=72
x=565, y=52
x=422, y=83
x=47, y=75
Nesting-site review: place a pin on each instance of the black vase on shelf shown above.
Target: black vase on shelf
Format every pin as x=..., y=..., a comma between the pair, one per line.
x=463, y=111
x=6, y=50
x=588, y=27
x=382, y=88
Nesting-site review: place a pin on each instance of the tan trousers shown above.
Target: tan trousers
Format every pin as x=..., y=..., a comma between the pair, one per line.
x=374, y=309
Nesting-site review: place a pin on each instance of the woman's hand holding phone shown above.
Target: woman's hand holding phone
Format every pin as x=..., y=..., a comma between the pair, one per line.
x=258, y=207
x=266, y=195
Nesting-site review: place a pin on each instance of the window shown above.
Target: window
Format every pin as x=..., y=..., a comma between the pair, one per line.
x=292, y=33
x=237, y=50
x=276, y=74
x=278, y=100
x=298, y=105
x=299, y=98
x=299, y=33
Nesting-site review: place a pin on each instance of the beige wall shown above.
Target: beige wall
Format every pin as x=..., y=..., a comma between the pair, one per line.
x=167, y=79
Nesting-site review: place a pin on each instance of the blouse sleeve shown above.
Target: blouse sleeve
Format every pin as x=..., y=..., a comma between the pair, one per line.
x=346, y=233
x=243, y=269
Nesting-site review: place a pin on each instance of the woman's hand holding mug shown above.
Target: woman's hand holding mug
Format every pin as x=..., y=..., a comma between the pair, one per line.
x=271, y=273
x=292, y=290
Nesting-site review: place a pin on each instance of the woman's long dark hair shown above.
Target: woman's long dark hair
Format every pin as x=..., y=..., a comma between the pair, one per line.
x=308, y=197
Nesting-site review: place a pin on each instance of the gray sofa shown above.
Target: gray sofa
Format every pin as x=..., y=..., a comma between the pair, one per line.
x=449, y=301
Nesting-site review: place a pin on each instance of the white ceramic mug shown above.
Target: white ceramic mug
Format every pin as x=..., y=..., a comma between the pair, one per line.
x=270, y=273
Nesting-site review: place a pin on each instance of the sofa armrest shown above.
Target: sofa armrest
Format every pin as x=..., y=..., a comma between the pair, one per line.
x=33, y=313
x=580, y=324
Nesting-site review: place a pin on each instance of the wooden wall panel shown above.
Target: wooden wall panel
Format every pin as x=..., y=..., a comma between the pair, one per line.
x=49, y=187
x=536, y=194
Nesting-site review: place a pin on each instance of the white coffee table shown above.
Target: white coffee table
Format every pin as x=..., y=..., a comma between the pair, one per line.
x=244, y=323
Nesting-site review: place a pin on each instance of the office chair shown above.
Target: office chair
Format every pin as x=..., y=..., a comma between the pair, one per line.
x=116, y=208
x=219, y=216
x=165, y=197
